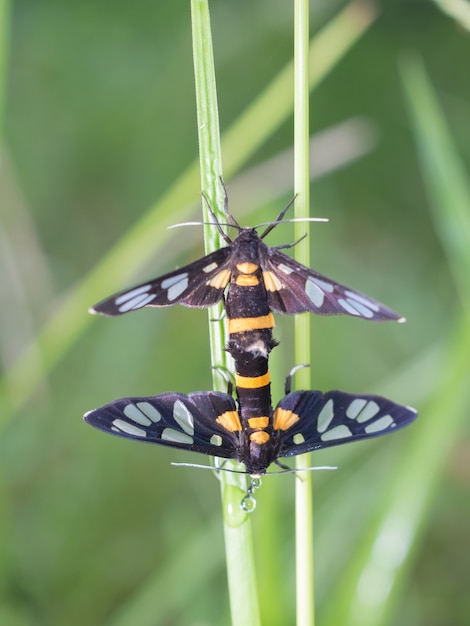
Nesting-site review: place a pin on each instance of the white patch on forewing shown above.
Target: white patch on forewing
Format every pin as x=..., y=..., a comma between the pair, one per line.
x=325, y=416
x=175, y=285
x=132, y=293
x=123, y=427
x=322, y=283
x=386, y=421
x=285, y=269
x=365, y=301
x=362, y=410
x=170, y=434
x=338, y=432
x=210, y=267
x=348, y=307
x=216, y=440
x=314, y=292
x=183, y=417
x=134, y=299
x=149, y=410
x=133, y=413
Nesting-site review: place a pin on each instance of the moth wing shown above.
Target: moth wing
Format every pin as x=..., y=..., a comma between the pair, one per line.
x=311, y=420
x=200, y=284
x=172, y=419
x=296, y=288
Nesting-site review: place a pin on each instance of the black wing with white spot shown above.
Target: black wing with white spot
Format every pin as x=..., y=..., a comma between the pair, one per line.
x=319, y=420
x=173, y=419
x=296, y=288
x=200, y=284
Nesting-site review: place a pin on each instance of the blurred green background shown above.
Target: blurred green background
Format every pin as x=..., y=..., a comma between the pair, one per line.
x=99, y=122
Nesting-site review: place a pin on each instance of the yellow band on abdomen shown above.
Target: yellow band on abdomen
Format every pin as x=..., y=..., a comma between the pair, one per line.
x=245, y=324
x=249, y=382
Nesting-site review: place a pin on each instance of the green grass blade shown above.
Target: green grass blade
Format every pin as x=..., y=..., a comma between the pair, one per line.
x=369, y=588
x=4, y=45
x=242, y=585
x=305, y=602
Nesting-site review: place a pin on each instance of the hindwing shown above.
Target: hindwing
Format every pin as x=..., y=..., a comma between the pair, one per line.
x=310, y=420
x=205, y=422
x=199, y=284
x=294, y=288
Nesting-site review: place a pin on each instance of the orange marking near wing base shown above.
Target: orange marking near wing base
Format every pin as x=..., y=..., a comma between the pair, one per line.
x=230, y=421
x=220, y=280
x=247, y=267
x=246, y=280
x=258, y=422
x=284, y=419
x=260, y=437
x=271, y=281
x=245, y=324
x=255, y=382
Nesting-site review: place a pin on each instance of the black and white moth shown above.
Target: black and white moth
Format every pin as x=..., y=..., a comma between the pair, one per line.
x=210, y=423
x=247, y=261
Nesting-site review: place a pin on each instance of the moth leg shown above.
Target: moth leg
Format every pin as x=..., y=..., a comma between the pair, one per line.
x=227, y=376
x=289, y=377
x=290, y=245
x=224, y=236
x=279, y=218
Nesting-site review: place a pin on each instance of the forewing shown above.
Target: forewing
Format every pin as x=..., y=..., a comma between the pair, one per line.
x=310, y=420
x=199, y=284
x=296, y=288
x=173, y=419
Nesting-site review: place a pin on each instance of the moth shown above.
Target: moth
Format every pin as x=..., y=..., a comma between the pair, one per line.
x=210, y=423
x=253, y=280
x=247, y=262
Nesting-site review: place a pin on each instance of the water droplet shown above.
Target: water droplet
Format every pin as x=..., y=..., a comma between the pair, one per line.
x=248, y=504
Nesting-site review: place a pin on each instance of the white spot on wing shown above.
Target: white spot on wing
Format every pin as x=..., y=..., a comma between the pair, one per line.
x=363, y=310
x=363, y=412
x=149, y=410
x=184, y=417
x=323, y=284
x=365, y=301
x=325, y=416
x=133, y=413
x=216, y=440
x=381, y=424
x=285, y=269
x=129, y=295
x=298, y=438
x=175, y=285
x=355, y=407
x=137, y=302
x=123, y=427
x=170, y=434
x=314, y=292
x=210, y=267
x=338, y=432
x=348, y=307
